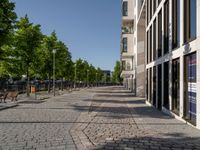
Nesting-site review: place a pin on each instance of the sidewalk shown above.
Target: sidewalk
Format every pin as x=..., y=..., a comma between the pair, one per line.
x=22, y=98
x=117, y=120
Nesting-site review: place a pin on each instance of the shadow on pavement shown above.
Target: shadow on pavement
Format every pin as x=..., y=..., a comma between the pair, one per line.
x=145, y=111
x=152, y=143
x=117, y=101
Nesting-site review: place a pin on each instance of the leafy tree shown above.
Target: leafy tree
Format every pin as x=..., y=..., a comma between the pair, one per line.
x=7, y=21
x=27, y=40
x=116, y=74
x=48, y=45
x=100, y=75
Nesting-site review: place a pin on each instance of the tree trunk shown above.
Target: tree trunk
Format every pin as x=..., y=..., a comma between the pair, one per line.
x=62, y=84
x=49, y=84
x=28, y=83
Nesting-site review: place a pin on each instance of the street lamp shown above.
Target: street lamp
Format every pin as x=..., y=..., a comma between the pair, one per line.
x=75, y=75
x=87, y=77
x=54, y=68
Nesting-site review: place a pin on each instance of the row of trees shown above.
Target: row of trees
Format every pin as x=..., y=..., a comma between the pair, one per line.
x=25, y=50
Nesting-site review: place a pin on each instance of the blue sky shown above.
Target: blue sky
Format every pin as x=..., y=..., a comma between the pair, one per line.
x=90, y=28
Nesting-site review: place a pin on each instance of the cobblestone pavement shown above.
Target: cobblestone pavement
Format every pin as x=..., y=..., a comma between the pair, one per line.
x=42, y=125
x=117, y=120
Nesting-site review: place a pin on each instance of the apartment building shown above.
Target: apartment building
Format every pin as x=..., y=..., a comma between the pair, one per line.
x=132, y=48
x=127, y=55
x=161, y=54
x=172, y=56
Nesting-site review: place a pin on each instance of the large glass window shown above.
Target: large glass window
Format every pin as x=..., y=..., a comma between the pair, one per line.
x=160, y=33
x=150, y=45
x=166, y=27
x=166, y=85
x=147, y=52
x=176, y=86
x=190, y=20
x=147, y=19
x=159, y=84
x=125, y=9
x=190, y=88
x=175, y=23
x=125, y=45
x=154, y=40
x=154, y=6
x=154, y=86
x=159, y=2
x=150, y=9
x=150, y=85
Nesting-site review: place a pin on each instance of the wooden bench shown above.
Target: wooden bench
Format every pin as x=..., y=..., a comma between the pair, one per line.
x=3, y=97
x=13, y=95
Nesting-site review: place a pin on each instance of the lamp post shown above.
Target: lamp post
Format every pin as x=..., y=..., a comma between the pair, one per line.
x=74, y=75
x=54, y=68
x=87, y=77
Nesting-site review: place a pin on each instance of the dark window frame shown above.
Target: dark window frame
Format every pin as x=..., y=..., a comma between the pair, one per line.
x=125, y=8
x=159, y=49
x=175, y=24
x=125, y=45
x=166, y=27
x=187, y=22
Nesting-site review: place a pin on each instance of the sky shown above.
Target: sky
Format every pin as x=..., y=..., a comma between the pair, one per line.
x=89, y=28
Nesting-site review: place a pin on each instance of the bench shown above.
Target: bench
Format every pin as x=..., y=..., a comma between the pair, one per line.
x=3, y=97
x=13, y=95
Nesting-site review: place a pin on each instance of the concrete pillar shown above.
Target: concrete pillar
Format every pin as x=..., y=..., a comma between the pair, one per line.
x=170, y=55
x=181, y=105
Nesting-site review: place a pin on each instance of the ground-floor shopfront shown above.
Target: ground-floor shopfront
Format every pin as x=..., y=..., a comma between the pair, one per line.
x=173, y=86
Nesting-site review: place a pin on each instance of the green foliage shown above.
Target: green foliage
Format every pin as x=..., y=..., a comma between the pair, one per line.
x=7, y=21
x=116, y=74
x=87, y=72
x=26, y=51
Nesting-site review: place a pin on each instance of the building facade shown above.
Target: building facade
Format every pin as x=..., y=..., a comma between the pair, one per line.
x=165, y=54
x=173, y=57
x=133, y=69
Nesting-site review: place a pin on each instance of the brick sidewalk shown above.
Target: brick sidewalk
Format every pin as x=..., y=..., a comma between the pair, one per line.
x=117, y=120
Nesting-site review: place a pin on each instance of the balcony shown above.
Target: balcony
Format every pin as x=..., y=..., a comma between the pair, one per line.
x=127, y=73
x=127, y=30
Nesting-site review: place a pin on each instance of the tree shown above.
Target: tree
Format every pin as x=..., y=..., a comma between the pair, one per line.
x=7, y=21
x=116, y=74
x=27, y=40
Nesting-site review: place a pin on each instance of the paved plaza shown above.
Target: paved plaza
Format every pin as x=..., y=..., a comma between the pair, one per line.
x=93, y=119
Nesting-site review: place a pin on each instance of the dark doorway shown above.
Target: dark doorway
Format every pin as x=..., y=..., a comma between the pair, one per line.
x=190, y=88
x=175, y=86
x=166, y=85
x=159, y=80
